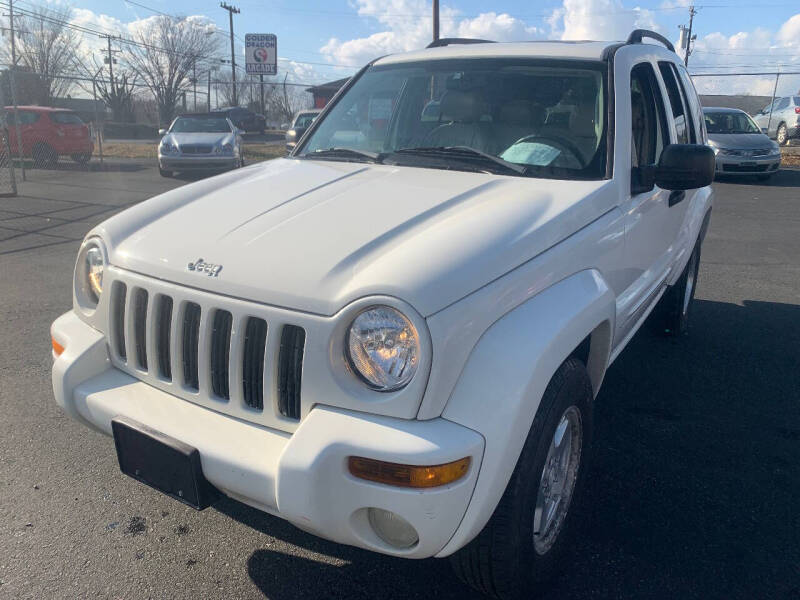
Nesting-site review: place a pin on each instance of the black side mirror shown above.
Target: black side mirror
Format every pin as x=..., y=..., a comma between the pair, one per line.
x=685, y=167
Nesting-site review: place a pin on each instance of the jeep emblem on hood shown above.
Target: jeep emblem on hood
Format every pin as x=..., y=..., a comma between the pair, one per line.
x=203, y=267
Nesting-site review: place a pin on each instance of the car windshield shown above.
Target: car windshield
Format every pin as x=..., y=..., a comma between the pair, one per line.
x=200, y=125
x=305, y=119
x=66, y=118
x=730, y=122
x=523, y=117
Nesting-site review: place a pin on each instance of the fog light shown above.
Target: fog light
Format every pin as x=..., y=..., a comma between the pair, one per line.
x=392, y=528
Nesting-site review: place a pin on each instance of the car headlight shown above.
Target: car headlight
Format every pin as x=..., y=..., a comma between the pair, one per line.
x=89, y=271
x=291, y=133
x=383, y=348
x=167, y=148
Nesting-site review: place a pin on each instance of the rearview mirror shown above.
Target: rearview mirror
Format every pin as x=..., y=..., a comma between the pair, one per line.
x=162, y=132
x=685, y=167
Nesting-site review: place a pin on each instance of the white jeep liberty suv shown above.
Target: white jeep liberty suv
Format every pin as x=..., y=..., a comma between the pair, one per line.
x=393, y=337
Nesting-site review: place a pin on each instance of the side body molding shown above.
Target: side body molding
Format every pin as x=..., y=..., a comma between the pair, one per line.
x=502, y=384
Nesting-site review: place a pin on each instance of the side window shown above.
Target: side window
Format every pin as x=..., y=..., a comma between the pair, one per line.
x=782, y=103
x=682, y=128
x=648, y=127
x=695, y=109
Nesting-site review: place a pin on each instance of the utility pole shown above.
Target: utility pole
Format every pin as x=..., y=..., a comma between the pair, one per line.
x=14, y=87
x=110, y=60
x=261, y=79
x=689, y=38
x=435, y=20
x=208, y=93
x=231, y=10
x=194, y=82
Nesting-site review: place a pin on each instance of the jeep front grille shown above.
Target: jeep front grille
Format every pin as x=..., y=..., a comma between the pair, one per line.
x=217, y=354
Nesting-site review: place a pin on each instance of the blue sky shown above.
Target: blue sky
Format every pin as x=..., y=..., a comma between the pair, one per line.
x=732, y=34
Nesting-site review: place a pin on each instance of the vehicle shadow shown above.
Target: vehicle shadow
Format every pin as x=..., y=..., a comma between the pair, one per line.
x=786, y=177
x=692, y=492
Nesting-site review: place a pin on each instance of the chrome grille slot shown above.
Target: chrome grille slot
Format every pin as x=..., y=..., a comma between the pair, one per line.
x=220, y=353
x=255, y=340
x=163, y=336
x=140, y=298
x=191, y=340
x=117, y=329
x=233, y=356
x=290, y=370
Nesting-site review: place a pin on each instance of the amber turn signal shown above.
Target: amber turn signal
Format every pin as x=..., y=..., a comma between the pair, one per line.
x=411, y=476
x=57, y=348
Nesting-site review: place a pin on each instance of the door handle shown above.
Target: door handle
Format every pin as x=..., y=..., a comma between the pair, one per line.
x=676, y=196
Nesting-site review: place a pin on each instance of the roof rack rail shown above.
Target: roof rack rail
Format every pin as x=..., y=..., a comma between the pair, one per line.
x=453, y=41
x=637, y=34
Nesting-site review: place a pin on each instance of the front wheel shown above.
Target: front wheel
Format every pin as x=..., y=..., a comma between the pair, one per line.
x=82, y=158
x=523, y=542
x=782, y=137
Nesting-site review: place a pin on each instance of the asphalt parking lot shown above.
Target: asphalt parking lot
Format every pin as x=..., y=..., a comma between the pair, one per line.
x=693, y=490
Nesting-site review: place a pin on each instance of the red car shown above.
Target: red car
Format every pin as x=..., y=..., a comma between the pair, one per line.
x=48, y=133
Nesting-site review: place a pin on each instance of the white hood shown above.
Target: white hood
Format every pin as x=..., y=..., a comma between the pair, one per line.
x=313, y=235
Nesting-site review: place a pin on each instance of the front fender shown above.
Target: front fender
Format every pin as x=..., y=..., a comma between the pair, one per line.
x=505, y=377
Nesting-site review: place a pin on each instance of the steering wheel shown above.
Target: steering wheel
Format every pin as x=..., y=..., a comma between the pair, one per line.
x=554, y=142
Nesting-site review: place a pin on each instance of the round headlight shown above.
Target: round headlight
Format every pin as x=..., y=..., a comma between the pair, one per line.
x=91, y=264
x=383, y=347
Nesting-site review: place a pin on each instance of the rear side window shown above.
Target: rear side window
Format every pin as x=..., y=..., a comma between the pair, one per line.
x=25, y=117
x=683, y=126
x=648, y=126
x=797, y=100
x=695, y=108
x=65, y=118
x=782, y=103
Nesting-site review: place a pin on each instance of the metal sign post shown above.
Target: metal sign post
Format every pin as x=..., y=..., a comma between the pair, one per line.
x=261, y=53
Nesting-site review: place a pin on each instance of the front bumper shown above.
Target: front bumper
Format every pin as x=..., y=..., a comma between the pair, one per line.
x=301, y=477
x=745, y=165
x=201, y=162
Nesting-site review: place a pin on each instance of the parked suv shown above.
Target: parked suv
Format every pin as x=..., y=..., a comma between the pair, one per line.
x=780, y=119
x=395, y=336
x=302, y=121
x=244, y=118
x=48, y=133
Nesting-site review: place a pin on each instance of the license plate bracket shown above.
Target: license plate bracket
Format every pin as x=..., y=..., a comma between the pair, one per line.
x=163, y=463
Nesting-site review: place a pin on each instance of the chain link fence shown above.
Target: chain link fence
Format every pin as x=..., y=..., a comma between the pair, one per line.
x=8, y=180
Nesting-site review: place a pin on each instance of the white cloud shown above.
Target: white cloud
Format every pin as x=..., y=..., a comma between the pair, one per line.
x=405, y=29
x=599, y=20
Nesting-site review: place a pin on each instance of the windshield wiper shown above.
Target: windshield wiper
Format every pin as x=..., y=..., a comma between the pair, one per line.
x=466, y=153
x=344, y=153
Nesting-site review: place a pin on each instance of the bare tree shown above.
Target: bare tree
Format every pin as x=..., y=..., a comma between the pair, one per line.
x=118, y=94
x=167, y=49
x=48, y=48
x=225, y=85
x=286, y=100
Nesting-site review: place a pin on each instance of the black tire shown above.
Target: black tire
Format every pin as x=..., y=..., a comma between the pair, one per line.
x=164, y=173
x=671, y=316
x=44, y=155
x=81, y=159
x=502, y=561
x=782, y=135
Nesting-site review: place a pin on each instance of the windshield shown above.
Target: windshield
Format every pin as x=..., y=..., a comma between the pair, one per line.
x=547, y=116
x=66, y=118
x=200, y=125
x=305, y=119
x=730, y=122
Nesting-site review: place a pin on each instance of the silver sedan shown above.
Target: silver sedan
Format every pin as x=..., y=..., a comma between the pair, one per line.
x=739, y=145
x=200, y=142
